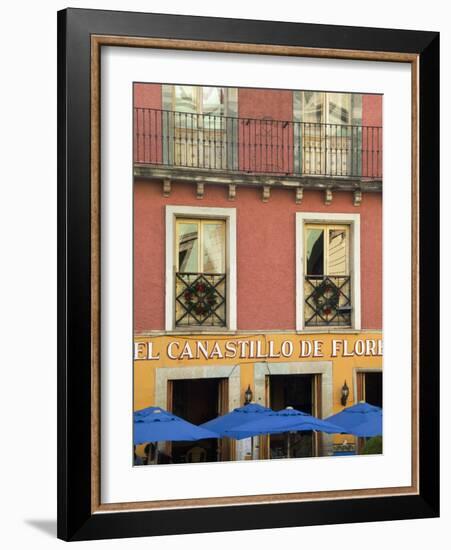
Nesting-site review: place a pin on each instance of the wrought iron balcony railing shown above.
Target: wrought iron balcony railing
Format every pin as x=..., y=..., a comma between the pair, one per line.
x=189, y=140
x=327, y=300
x=200, y=299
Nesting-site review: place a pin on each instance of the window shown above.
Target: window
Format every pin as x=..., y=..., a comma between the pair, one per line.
x=186, y=99
x=330, y=133
x=331, y=108
x=200, y=280
x=199, y=126
x=200, y=246
x=197, y=99
x=201, y=268
x=200, y=139
x=327, y=282
x=328, y=270
x=327, y=250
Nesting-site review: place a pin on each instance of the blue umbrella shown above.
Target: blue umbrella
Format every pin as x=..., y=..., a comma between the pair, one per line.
x=286, y=420
x=371, y=428
x=155, y=424
x=224, y=425
x=147, y=412
x=362, y=419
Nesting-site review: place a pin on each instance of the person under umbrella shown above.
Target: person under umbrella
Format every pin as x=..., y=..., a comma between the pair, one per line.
x=154, y=424
x=285, y=421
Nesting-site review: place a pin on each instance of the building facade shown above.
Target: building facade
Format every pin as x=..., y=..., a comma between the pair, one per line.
x=257, y=257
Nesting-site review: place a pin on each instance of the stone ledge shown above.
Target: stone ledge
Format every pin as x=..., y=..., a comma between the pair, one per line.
x=244, y=179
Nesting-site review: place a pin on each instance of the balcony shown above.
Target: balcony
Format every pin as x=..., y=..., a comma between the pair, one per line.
x=200, y=300
x=256, y=150
x=327, y=301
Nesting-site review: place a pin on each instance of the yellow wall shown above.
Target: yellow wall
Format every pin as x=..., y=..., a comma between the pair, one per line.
x=344, y=362
x=152, y=353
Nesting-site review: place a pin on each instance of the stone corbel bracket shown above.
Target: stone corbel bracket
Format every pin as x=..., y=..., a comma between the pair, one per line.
x=232, y=191
x=357, y=197
x=266, y=193
x=166, y=187
x=328, y=196
x=299, y=195
x=200, y=189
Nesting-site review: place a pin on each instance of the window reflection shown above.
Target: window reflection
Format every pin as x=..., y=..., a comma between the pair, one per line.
x=315, y=251
x=188, y=247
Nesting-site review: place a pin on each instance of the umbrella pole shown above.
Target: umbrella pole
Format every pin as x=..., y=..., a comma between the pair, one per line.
x=288, y=445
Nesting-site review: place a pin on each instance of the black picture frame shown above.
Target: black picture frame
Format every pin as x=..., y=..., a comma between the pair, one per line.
x=76, y=521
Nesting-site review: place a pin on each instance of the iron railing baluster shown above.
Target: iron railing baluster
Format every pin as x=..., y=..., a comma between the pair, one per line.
x=195, y=140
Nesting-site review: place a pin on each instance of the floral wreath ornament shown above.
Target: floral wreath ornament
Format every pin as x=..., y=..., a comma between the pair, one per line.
x=326, y=297
x=200, y=297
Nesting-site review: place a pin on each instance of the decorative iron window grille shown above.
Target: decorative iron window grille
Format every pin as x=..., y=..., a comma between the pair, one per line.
x=327, y=300
x=200, y=299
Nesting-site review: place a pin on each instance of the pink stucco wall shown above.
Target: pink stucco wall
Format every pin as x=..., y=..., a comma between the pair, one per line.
x=265, y=252
x=147, y=120
x=266, y=231
x=372, y=135
x=264, y=143
x=371, y=110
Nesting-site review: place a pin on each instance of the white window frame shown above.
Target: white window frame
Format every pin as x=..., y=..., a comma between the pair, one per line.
x=353, y=220
x=201, y=212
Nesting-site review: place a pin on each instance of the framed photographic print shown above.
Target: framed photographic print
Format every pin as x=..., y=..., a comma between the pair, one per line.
x=248, y=274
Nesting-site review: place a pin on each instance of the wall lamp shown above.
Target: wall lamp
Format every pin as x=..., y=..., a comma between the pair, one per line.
x=344, y=394
x=248, y=395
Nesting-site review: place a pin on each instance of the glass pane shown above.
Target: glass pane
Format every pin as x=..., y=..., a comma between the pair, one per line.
x=212, y=108
x=315, y=252
x=312, y=107
x=188, y=241
x=356, y=109
x=338, y=253
x=185, y=99
x=186, y=115
x=339, y=108
x=213, y=101
x=213, y=248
